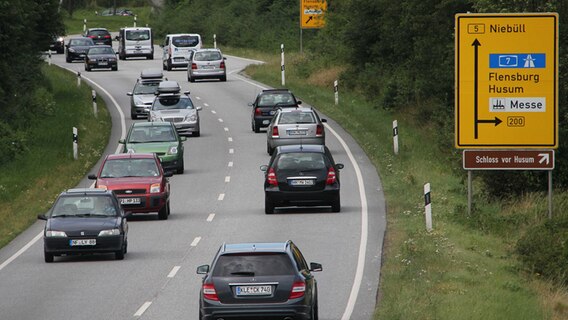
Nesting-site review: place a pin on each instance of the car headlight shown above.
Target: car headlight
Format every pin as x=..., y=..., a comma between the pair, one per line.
x=55, y=234
x=173, y=150
x=70, y=49
x=112, y=59
x=155, y=188
x=191, y=117
x=138, y=101
x=102, y=187
x=109, y=232
x=60, y=39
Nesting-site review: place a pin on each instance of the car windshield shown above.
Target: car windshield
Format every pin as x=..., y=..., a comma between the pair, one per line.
x=152, y=134
x=172, y=102
x=101, y=50
x=137, y=35
x=258, y=264
x=84, y=206
x=301, y=161
x=120, y=168
x=80, y=42
x=185, y=41
x=207, y=56
x=146, y=87
x=296, y=118
x=271, y=99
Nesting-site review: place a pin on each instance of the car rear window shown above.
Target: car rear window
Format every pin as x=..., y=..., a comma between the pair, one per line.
x=99, y=33
x=137, y=35
x=296, y=118
x=207, y=56
x=302, y=160
x=258, y=264
x=185, y=41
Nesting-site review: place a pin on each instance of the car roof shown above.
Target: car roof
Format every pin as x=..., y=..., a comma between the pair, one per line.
x=276, y=90
x=255, y=247
x=297, y=109
x=182, y=34
x=131, y=156
x=86, y=191
x=97, y=29
x=301, y=148
x=152, y=124
x=152, y=73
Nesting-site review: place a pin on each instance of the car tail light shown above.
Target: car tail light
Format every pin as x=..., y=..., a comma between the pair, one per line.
x=271, y=177
x=330, y=176
x=275, y=132
x=222, y=65
x=107, y=36
x=258, y=112
x=193, y=66
x=298, y=290
x=319, y=130
x=209, y=292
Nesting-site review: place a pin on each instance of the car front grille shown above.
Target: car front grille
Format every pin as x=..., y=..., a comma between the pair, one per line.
x=132, y=191
x=175, y=119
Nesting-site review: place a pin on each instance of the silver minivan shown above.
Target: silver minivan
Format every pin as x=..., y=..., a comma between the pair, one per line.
x=177, y=47
x=206, y=64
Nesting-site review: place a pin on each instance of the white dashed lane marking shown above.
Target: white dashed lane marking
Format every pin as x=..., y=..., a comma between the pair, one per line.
x=230, y=163
x=143, y=309
x=195, y=241
x=174, y=272
x=221, y=196
x=210, y=217
x=227, y=179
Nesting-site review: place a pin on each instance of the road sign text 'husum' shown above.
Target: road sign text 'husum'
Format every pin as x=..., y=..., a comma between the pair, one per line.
x=506, y=80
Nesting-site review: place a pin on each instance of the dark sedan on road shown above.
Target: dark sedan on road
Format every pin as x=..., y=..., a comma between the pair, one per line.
x=259, y=281
x=101, y=57
x=138, y=180
x=77, y=48
x=85, y=221
x=301, y=175
x=267, y=103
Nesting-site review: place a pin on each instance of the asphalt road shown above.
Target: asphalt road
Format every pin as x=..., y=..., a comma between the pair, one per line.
x=218, y=199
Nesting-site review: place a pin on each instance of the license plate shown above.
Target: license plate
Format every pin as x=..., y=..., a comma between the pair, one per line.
x=297, y=132
x=207, y=67
x=265, y=121
x=83, y=242
x=302, y=182
x=254, y=290
x=103, y=63
x=130, y=201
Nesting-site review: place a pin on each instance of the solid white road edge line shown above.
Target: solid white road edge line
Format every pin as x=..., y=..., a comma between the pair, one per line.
x=143, y=309
x=174, y=272
x=122, y=136
x=364, y=220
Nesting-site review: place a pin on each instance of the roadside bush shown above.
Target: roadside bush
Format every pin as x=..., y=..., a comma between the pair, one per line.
x=544, y=249
x=12, y=143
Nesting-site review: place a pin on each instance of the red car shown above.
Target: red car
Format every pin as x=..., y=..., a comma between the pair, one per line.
x=138, y=180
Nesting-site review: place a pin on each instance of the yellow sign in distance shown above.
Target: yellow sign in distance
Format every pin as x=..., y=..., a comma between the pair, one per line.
x=312, y=13
x=506, y=76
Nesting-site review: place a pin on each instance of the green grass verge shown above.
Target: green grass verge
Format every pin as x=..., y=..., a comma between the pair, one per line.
x=74, y=24
x=465, y=268
x=30, y=184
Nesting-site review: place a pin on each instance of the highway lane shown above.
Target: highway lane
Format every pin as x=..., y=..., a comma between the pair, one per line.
x=218, y=199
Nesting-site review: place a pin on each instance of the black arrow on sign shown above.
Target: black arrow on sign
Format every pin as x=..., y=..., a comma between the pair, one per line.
x=309, y=19
x=476, y=44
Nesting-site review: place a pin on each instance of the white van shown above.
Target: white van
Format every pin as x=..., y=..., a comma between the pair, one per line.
x=135, y=42
x=177, y=47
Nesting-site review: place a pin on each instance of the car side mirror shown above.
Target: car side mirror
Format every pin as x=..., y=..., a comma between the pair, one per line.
x=323, y=120
x=147, y=110
x=199, y=108
x=129, y=94
x=299, y=102
x=224, y=58
x=250, y=104
x=186, y=93
x=264, y=167
x=203, y=269
x=315, y=267
x=182, y=138
x=339, y=166
x=92, y=177
x=42, y=216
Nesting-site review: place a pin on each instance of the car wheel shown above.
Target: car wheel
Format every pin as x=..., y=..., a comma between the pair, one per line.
x=68, y=60
x=268, y=206
x=223, y=78
x=169, y=209
x=119, y=255
x=256, y=127
x=164, y=66
x=197, y=133
x=336, y=205
x=181, y=169
x=121, y=56
x=87, y=68
x=315, y=311
x=133, y=116
x=115, y=68
x=60, y=51
x=163, y=213
x=48, y=257
x=269, y=149
x=126, y=246
x=191, y=79
x=169, y=65
x=150, y=57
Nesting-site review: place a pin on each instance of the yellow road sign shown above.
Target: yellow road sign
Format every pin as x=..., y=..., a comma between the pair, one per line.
x=311, y=13
x=506, y=80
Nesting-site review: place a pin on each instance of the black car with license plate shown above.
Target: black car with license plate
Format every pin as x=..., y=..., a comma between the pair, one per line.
x=85, y=221
x=101, y=57
x=267, y=102
x=77, y=48
x=301, y=175
x=259, y=281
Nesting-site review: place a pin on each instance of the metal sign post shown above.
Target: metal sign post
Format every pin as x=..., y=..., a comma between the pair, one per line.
x=282, y=65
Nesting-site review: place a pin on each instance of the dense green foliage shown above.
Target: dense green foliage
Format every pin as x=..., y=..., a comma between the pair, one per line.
x=27, y=29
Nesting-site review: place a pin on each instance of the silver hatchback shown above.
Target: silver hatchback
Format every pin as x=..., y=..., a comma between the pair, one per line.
x=295, y=126
x=206, y=64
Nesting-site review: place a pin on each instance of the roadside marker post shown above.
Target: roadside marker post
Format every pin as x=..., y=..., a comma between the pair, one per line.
x=135, y=17
x=78, y=78
x=84, y=25
x=215, y=41
x=49, y=57
x=336, y=91
x=282, y=65
x=94, y=95
x=428, y=207
x=75, y=144
x=395, y=136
